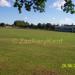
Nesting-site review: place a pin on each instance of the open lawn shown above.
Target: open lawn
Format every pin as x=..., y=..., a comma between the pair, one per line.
x=36, y=52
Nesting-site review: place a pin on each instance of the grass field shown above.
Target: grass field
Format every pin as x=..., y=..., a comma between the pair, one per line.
x=36, y=52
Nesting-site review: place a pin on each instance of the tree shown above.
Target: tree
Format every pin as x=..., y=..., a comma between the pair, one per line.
x=19, y=24
x=39, y=26
x=26, y=25
x=69, y=6
x=28, y=4
x=2, y=24
x=39, y=5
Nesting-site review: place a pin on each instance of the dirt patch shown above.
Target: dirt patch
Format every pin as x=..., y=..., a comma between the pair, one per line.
x=43, y=71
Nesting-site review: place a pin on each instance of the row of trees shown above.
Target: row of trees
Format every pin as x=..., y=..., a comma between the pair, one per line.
x=23, y=24
x=3, y=25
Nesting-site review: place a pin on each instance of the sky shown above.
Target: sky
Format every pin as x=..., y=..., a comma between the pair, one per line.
x=53, y=13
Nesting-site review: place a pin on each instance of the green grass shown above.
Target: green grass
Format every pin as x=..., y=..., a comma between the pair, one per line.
x=35, y=52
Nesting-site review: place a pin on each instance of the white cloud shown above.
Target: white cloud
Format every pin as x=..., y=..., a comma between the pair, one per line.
x=4, y=3
x=58, y=3
x=66, y=20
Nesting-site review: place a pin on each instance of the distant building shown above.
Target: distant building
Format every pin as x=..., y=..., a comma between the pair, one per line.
x=65, y=28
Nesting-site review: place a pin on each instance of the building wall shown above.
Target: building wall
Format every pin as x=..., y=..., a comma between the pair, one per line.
x=65, y=28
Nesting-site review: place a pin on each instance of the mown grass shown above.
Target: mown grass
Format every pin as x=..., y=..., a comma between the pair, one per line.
x=36, y=52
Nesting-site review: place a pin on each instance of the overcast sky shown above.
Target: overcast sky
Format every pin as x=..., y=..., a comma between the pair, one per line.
x=52, y=14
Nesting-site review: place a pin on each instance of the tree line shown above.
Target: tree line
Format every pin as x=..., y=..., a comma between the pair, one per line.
x=23, y=24
x=27, y=25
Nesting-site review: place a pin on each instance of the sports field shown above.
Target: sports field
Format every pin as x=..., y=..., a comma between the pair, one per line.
x=36, y=52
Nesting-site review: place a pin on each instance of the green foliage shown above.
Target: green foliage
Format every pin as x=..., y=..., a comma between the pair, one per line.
x=21, y=23
x=69, y=7
x=37, y=5
x=2, y=24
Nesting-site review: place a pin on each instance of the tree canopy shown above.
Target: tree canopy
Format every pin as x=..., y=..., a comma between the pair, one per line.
x=69, y=6
x=39, y=5
x=28, y=4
